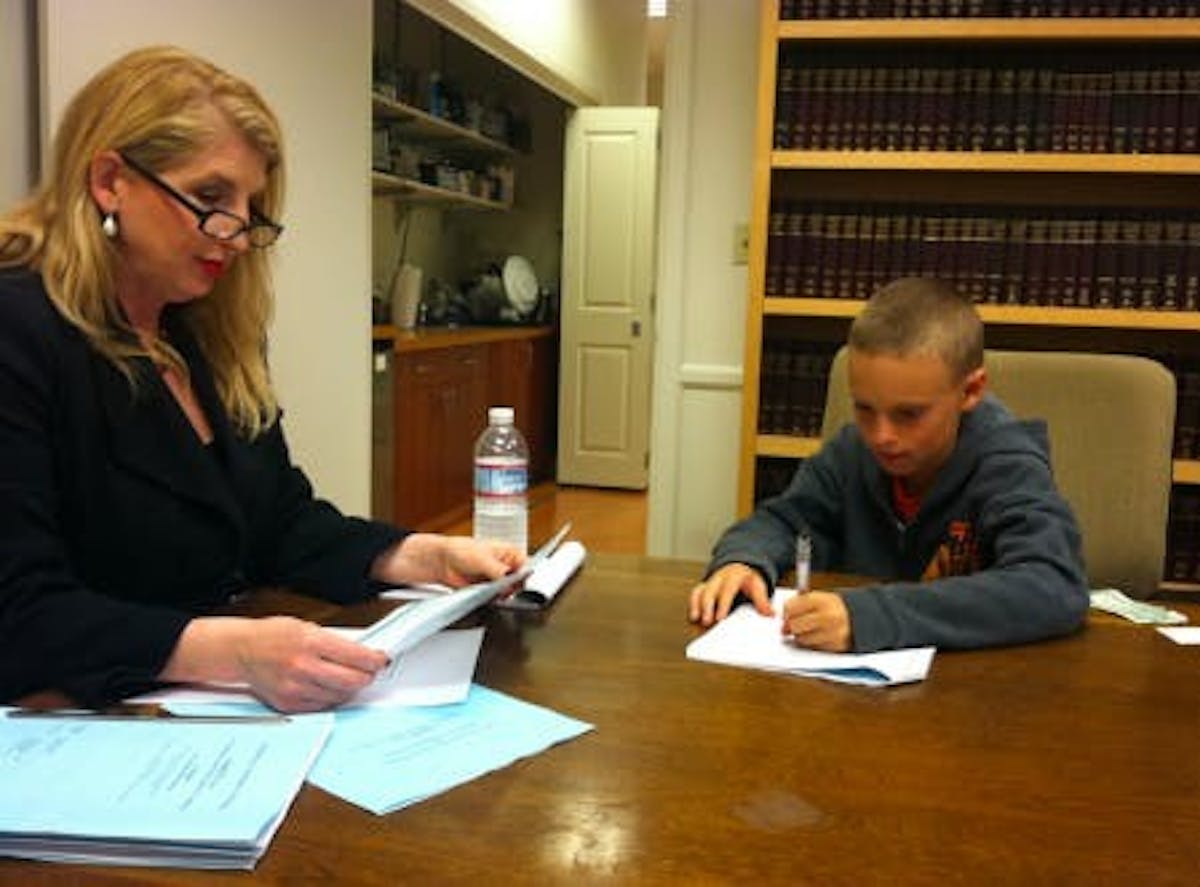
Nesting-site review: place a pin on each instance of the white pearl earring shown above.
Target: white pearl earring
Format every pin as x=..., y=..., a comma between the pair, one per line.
x=109, y=226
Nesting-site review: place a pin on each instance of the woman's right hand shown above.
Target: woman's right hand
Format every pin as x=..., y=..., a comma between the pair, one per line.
x=290, y=664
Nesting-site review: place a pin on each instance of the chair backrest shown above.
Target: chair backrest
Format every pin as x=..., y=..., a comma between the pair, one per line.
x=1111, y=420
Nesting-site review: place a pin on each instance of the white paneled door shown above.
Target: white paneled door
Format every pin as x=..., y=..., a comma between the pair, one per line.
x=607, y=299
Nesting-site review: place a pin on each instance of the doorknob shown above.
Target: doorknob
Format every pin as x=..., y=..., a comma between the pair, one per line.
x=635, y=328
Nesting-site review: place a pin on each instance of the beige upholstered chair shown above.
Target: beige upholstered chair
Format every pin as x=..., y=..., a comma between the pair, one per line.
x=1111, y=420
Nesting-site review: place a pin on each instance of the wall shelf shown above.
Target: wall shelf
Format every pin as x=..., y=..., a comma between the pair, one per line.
x=386, y=185
x=421, y=127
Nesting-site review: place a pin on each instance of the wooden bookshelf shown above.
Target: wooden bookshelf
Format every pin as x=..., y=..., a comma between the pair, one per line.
x=970, y=177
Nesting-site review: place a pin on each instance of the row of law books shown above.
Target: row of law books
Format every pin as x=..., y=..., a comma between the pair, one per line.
x=1082, y=257
x=792, y=382
x=1183, y=537
x=988, y=101
x=849, y=9
x=794, y=378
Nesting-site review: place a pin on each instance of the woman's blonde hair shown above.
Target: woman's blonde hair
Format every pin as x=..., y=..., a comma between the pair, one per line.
x=153, y=105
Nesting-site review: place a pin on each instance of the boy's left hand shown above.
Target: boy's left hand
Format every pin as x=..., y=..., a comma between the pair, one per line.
x=818, y=620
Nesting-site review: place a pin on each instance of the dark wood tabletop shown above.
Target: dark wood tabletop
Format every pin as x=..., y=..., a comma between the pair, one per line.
x=1071, y=761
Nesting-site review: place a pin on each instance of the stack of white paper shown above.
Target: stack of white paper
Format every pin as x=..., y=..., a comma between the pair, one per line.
x=191, y=793
x=750, y=640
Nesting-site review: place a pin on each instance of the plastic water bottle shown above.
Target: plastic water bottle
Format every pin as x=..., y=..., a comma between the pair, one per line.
x=501, y=481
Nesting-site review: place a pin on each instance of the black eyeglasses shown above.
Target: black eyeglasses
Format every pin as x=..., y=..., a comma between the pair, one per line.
x=217, y=223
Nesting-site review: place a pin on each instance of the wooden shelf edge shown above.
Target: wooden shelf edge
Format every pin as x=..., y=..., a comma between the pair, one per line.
x=1011, y=315
x=387, y=185
x=989, y=161
x=981, y=30
x=786, y=446
x=1186, y=471
x=429, y=127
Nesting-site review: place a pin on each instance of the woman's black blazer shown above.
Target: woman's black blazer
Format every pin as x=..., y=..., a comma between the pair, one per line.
x=117, y=524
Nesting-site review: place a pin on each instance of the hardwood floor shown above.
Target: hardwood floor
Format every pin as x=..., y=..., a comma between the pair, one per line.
x=611, y=521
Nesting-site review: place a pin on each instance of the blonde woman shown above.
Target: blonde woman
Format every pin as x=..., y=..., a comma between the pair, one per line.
x=144, y=477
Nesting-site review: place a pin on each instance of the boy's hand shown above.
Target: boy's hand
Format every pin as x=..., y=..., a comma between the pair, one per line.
x=712, y=598
x=818, y=620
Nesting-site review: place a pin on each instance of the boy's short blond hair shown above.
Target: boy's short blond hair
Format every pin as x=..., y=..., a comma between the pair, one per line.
x=921, y=315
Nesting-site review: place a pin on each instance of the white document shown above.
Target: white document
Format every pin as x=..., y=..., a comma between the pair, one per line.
x=747, y=639
x=547, y=579
x=1189, y=635
x=438, y=671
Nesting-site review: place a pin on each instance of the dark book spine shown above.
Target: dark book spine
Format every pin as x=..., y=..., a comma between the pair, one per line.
x=1168, y=120
x=1189, y=112
x=848, y=258
x=1150, y=264
x=1129, y=232
x=1171, y=253
x=1035, y=262
x=981, y=116
x=1044, y=120
x=1191, y=264
x=1106, y=263
x=776, y=248
x=1016, y=246
x=1004, y=87
x=1122, y=98
x=996, y=228
x=784, y=102
x=1024, y=109
x=813, y=259
x=1085, y=274
x=794, y=249
x=862, y=284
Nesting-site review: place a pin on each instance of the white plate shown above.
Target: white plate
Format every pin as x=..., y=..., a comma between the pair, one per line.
x=520, y=284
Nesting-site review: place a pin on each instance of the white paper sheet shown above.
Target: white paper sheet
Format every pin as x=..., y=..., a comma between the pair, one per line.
x=438, y=671
x=1188, y=635
x=747, y=639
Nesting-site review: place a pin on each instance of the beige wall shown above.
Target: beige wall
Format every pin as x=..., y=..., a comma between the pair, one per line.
x=311, y=60
x=708, y=123
x=590, y=52
x=17, y=114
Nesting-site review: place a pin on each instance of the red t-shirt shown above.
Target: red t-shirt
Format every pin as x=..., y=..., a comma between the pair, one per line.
x=906, y=504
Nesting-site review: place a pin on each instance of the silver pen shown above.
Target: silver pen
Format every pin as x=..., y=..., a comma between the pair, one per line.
x=803, y=562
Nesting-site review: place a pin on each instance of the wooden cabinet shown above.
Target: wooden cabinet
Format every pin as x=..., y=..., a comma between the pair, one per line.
x=443, y=383
x=1143, y=185
x=522, y=371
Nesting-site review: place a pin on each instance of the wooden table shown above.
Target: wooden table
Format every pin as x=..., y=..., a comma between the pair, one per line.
x=1072, y=761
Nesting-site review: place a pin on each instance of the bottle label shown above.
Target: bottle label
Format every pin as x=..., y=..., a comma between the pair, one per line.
x=500, y=479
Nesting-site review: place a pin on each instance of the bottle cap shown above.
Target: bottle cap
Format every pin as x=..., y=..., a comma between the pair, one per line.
x=500, y=415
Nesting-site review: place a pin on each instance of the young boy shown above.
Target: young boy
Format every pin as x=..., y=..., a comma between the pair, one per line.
x=936, y=489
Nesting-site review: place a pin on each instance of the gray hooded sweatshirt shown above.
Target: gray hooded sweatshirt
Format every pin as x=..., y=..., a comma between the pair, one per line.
x=992, y=557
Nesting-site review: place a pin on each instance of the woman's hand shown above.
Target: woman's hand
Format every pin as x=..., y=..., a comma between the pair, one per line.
x=290, y=664
x=452, y=560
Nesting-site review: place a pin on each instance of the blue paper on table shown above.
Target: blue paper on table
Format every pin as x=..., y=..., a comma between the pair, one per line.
x=150, y=791
x=385, y=759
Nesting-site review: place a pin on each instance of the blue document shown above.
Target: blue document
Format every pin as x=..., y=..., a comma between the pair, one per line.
x=148, y=791
x=385, y=759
